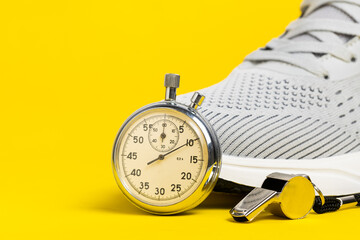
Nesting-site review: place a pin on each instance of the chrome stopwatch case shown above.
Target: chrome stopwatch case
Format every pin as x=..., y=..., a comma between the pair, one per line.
x=166, y=156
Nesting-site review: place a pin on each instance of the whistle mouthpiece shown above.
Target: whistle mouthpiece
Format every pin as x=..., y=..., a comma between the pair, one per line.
x=253, y=204
x=285, y=195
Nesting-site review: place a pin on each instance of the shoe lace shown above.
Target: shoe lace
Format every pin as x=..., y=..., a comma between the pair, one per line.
x=326, y=31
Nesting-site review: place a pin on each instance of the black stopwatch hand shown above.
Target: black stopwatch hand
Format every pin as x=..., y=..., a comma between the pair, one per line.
x=161, y=157
x=163, y=134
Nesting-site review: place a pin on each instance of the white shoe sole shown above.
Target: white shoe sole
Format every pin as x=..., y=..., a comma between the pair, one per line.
x=339, y=175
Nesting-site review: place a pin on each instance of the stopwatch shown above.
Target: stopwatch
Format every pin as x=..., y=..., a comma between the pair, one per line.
x=166, y=156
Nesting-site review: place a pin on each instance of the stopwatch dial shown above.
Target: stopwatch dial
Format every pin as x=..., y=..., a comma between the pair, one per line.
x=160, y=175
x=163, y=135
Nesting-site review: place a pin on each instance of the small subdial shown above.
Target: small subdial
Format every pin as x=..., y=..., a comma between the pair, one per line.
x=163, y=136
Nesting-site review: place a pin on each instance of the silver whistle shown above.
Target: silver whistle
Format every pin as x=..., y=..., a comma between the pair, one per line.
x=285, y=195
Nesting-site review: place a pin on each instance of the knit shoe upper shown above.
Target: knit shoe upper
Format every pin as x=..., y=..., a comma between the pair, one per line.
x=297, y=98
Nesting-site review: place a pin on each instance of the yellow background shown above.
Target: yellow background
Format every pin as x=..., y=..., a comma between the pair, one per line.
x=72, y=71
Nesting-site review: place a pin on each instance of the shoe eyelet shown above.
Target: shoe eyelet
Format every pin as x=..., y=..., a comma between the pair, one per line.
x=353, y=59
x=326, y=77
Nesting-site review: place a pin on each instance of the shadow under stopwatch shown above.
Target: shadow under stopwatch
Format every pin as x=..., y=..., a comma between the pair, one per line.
x=218, y=200
x=116, y=202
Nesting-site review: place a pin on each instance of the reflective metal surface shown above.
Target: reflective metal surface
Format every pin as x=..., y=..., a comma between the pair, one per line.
x=171, y=83
x=196, y=100
x=253, y=204
x=210, y=143
x=286, y=195
x=347, y=201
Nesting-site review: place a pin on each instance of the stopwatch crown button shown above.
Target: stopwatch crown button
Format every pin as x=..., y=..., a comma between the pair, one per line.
x=172, y=82
x=196, y=100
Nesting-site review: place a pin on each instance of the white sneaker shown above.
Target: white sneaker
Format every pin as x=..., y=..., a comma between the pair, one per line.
x=294, y=106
